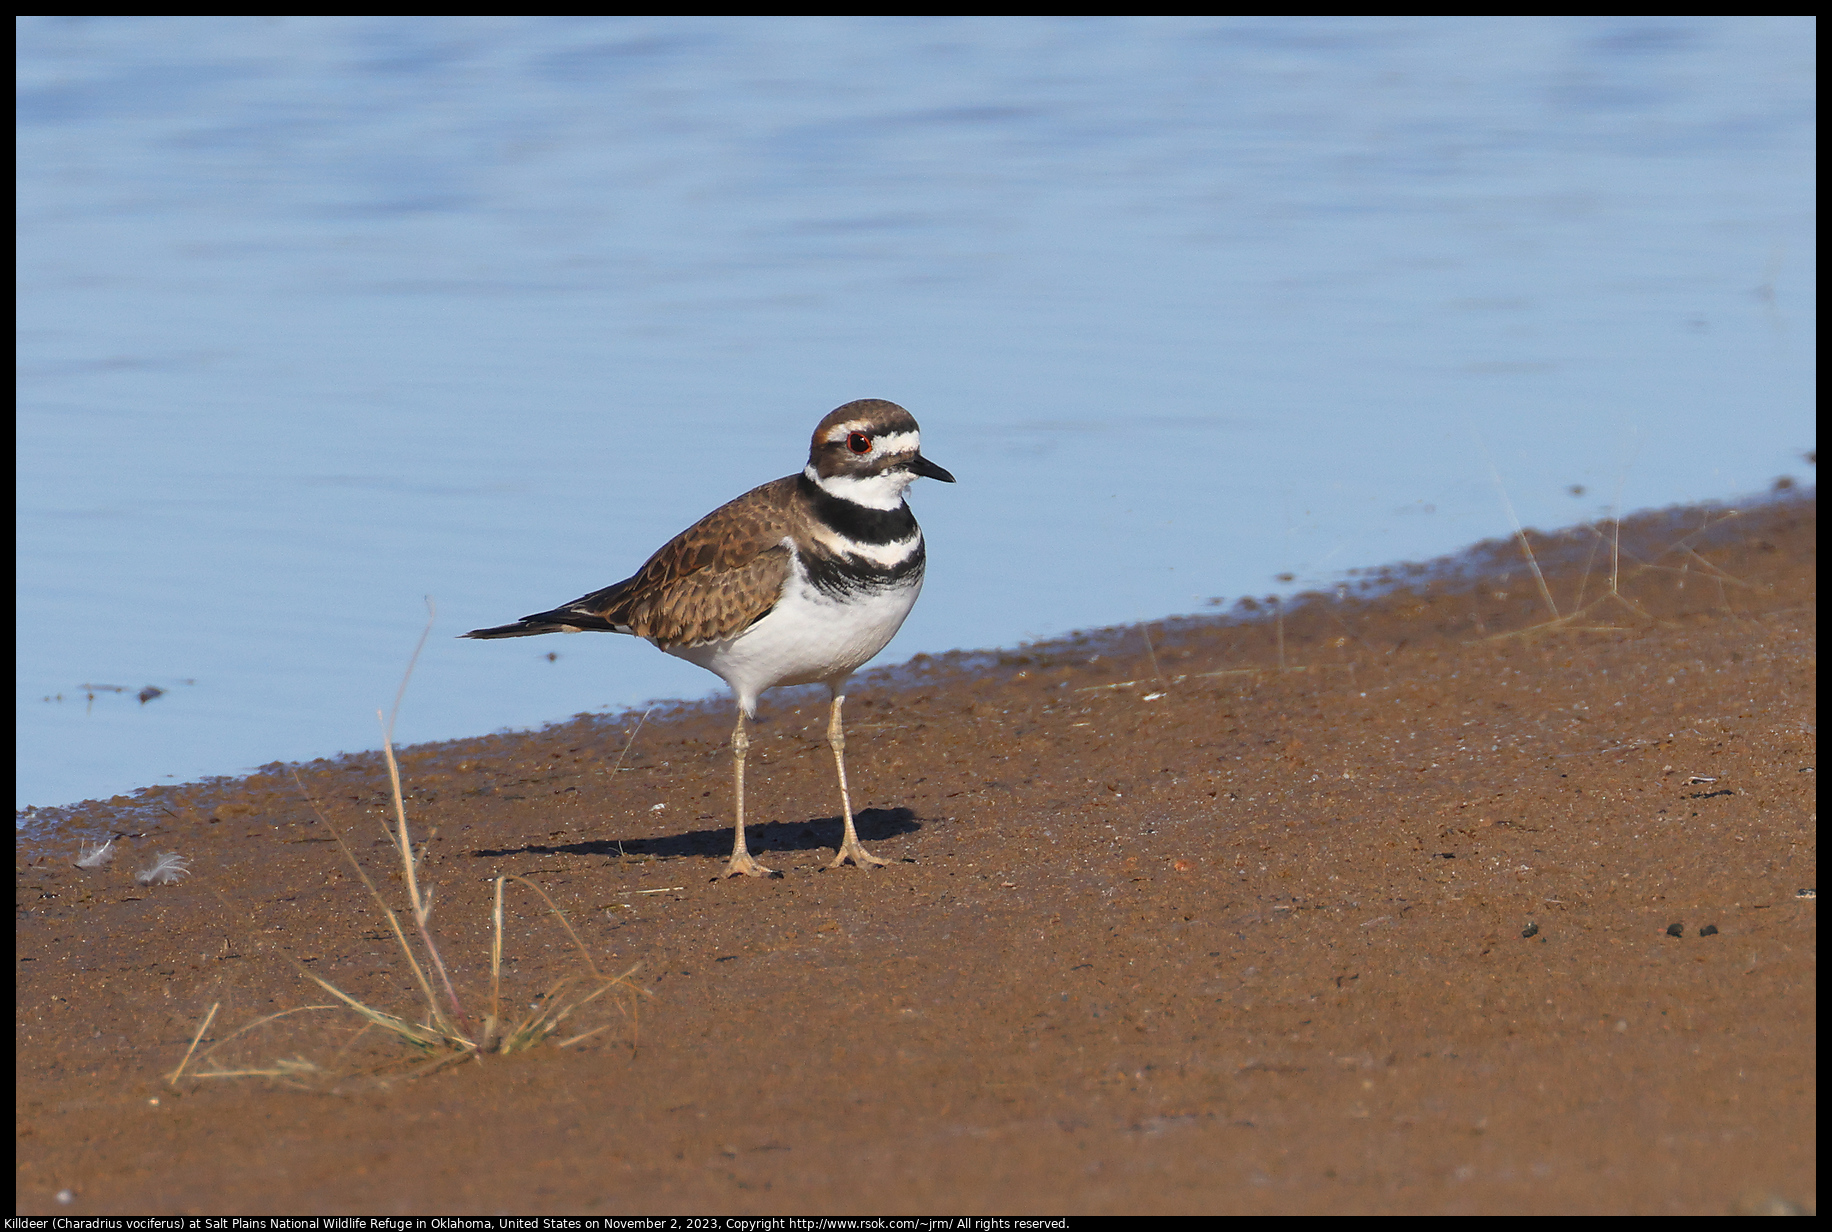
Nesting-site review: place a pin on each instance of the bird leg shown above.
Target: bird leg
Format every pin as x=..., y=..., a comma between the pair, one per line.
x=741, y=861
x=850, y=848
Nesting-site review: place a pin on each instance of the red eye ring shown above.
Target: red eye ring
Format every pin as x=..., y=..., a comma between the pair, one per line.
x=858, y=442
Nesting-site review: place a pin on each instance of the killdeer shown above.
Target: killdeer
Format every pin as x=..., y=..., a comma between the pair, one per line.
x=800, y=581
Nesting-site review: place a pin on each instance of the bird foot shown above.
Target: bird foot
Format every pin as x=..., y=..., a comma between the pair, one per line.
x=742, y=863
x=855, y=852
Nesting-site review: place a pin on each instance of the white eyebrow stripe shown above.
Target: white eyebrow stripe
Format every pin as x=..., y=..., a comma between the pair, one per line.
x=890, y=442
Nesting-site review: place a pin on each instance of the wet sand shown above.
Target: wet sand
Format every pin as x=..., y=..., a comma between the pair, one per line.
x=1413, y=899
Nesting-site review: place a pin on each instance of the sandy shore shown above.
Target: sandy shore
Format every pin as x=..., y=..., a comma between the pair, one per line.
x=1410, y=900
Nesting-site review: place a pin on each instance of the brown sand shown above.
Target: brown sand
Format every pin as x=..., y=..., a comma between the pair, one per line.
x=1386, y=930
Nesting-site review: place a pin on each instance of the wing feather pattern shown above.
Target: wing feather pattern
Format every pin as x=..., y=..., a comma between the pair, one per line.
x=709, y=583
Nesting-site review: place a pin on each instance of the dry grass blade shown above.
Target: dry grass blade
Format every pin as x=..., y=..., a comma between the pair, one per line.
x=1151, y=653
x=631, y=740
x=558, y=914
x=1520, y=534
x=422, y=904
x=195, y=1040
x=211, y=1051
x=554, y=1007
x=1685, y=548
x=294, y=1068
x=417, y=1034
x=559, y=1003
x=394, y=922
x=261, y=1022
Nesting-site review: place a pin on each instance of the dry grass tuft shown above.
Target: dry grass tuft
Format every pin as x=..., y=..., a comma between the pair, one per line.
x=1680, y=557
x=442, y=1033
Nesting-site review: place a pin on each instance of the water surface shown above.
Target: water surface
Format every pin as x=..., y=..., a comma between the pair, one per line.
x=320, y=316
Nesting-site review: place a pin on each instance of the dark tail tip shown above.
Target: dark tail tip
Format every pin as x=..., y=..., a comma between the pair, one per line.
x=518, y=629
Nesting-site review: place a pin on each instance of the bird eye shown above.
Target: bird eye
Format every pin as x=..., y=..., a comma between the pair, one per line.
x=858, y=442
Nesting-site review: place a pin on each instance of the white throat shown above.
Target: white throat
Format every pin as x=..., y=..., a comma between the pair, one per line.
x=881, y=491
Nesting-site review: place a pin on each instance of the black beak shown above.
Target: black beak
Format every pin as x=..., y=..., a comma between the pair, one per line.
x=928, y=470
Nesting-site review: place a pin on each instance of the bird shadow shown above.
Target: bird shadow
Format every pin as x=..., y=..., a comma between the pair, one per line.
x=811, y=835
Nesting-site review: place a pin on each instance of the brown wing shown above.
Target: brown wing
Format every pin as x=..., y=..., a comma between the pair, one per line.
x=710, y=582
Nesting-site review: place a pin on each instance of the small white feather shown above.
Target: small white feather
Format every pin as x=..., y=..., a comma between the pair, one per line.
x=95, y=856
x=168, y=867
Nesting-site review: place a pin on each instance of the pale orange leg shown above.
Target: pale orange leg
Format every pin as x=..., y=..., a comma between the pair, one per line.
x=741, y=861
x=850, y=847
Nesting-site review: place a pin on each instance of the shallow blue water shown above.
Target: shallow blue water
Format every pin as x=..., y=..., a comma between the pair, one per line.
x=321, y=316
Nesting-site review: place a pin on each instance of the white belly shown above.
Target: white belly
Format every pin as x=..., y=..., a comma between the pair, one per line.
x=807, y=638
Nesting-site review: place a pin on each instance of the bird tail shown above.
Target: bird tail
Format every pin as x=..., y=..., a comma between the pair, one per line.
x=521, y=628
x=560, y=620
